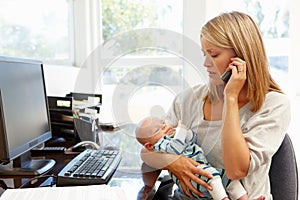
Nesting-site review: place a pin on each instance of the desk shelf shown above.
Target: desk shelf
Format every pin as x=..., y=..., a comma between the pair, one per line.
x=61, y=117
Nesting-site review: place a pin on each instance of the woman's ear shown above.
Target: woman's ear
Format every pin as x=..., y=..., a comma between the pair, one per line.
x=148, y=146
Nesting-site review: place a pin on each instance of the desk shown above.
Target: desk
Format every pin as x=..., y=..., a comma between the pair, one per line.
x=128, y=175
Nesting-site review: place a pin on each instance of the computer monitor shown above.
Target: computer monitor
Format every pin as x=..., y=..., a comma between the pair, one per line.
x=24, y=116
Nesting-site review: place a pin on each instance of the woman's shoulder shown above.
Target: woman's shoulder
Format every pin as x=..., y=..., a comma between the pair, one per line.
x=276, y=95
x=276, y=99
x=276, y=105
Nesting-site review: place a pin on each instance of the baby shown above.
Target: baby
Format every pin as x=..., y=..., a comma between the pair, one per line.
x=157, y=136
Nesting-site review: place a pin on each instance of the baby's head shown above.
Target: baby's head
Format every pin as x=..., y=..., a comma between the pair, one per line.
x=151, y=129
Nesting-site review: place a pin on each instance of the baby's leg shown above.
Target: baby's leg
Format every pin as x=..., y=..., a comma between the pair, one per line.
x=218, y=191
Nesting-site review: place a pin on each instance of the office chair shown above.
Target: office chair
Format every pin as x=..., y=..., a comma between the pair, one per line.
x=283, y=175
x=284, y=172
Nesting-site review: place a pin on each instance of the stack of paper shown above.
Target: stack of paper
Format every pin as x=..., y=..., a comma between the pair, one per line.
x=101, y=192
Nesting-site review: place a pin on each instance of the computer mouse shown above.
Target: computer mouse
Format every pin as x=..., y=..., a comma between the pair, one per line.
x=78, y=148
x=81, y=146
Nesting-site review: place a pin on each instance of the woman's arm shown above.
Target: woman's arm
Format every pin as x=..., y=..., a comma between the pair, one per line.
x=183, y=168
x=235, y=151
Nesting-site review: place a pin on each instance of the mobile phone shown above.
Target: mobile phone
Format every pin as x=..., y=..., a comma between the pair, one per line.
x=226, y=76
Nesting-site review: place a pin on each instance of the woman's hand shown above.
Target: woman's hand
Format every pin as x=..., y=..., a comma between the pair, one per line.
x=182, y=167
x=238, y=77
x=185, y=169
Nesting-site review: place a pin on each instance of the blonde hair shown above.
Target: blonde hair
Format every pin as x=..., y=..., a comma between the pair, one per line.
x=239, y=32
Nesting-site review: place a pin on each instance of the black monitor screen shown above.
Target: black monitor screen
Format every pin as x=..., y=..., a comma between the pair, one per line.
x=24, y=111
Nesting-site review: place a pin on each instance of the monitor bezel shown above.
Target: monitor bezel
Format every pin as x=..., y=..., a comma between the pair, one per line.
x=8, y=154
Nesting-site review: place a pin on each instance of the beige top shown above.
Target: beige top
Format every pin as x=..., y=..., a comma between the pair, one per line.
x=264, y=132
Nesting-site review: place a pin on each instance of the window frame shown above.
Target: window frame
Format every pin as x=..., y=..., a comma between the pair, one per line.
x=88, y=40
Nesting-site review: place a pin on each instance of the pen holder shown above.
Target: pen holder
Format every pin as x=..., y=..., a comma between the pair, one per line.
x=87, y=130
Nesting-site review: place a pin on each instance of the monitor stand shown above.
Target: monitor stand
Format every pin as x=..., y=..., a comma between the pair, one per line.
x=24, y=166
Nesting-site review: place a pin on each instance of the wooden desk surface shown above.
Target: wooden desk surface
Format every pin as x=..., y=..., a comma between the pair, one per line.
x=128, y=179
x=128, y=175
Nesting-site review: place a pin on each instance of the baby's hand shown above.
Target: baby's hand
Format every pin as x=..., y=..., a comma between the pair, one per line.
x=182, y=125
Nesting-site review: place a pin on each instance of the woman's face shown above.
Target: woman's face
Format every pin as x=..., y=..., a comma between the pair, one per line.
x=216, y=60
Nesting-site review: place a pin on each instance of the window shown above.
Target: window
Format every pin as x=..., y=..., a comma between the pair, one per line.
x=143, y=70
x=37, y=29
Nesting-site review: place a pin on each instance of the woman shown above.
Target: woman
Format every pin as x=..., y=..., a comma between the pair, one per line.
x=239, y=124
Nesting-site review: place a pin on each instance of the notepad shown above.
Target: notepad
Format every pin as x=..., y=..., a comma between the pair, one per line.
x=101, y=192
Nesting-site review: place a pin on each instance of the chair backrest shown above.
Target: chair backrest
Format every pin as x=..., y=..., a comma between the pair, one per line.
x=284, y=173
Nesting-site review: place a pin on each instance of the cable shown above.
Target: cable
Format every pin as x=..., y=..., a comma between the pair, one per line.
x=38, y=177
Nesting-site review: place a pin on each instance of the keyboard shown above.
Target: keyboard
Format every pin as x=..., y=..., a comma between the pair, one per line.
x=90, y=167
